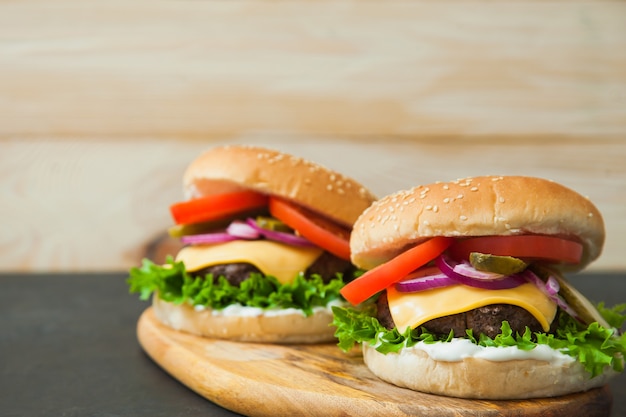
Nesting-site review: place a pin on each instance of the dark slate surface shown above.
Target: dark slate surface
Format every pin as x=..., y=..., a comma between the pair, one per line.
x=68, y=348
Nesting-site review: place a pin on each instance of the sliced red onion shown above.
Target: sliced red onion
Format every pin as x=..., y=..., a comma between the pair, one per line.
x=417, y=281
x=552, y=286
x=551, y=289
x=531, y=277
x=242, y=230
x=282, y=237
x=446, y=265
x=207, y=238
x=245, y=230
x=466, y=269
x=567, y=308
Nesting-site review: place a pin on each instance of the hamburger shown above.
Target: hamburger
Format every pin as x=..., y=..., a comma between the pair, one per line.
x=265, y=248
x=465, y=294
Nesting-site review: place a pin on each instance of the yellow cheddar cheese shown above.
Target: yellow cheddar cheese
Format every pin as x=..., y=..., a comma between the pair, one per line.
x=414, y=309
x=282, y=261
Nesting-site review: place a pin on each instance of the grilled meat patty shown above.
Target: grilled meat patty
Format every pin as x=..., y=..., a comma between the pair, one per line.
x=486, y=320
x=326, y=265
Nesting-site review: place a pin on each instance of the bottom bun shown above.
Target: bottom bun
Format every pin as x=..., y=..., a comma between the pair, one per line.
x=290, y=326
x=480, y=378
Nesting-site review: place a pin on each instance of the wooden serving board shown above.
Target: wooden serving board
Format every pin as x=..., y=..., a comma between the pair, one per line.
x=320, y=380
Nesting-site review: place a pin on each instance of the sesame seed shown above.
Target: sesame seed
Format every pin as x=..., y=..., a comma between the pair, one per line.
x=411, y=200
x=426, y=223
x=446, y=187
x=329, y=187
x=463, y=218
x=501, y=199
x=590, y=215
x=446, y=200
x=429, y=207
x=390, y=209
x=459, y=196
x=333, y=177
x=341, y=191
x=474, y=189
x=396, y=227
x=422, y=196
x=435, y=208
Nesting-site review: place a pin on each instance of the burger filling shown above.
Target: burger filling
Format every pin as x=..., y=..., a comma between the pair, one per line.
x=326, y=266
x=485, y=320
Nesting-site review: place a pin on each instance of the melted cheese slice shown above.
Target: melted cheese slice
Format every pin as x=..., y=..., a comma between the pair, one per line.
x=414, y=309
x=284, y=262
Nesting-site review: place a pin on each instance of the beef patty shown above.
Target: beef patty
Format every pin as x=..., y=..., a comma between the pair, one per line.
x=326, y=265
x=486, y=320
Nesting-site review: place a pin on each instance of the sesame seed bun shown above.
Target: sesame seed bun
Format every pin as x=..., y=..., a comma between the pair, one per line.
x=229, y=168
x=479, y=206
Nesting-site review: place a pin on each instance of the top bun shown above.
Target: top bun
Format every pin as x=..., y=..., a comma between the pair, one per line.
x=479, y=206
x=230, y=168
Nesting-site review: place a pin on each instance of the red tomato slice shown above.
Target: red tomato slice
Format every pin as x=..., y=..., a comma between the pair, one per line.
x=392, y=271
x=321, y=231
x=549, y=248
x=218, y=206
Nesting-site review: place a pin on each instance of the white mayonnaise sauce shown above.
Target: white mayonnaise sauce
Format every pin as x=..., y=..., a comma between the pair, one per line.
x=239, y=310
x=458, y=349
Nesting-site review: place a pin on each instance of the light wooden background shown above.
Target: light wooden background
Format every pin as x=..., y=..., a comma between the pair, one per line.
x=102, y=105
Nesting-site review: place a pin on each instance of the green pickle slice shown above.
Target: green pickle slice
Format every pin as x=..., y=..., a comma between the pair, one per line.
x=506, y=265
x=180, y=230
x=585, y=309
x=271, y=223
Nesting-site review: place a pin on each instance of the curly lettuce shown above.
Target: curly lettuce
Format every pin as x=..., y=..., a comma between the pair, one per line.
x=174, y=284
x=594, y=346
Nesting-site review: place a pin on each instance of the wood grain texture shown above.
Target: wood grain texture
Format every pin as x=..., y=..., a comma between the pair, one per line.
x=94, y=205
x=103, y=104
x=339, y=67
x=320, y=380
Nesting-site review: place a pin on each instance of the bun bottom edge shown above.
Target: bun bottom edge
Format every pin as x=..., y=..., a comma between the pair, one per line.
x=283, y=328
x=475, y=378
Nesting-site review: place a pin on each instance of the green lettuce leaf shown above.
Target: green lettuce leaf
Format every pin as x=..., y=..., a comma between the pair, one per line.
x=615, y=316
x=174, y=284
x=594, y=346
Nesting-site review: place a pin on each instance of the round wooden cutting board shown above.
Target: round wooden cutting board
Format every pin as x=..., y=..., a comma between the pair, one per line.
x=320, y=380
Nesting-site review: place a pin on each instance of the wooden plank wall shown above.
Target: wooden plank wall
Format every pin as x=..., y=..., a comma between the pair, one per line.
x=102, y=105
